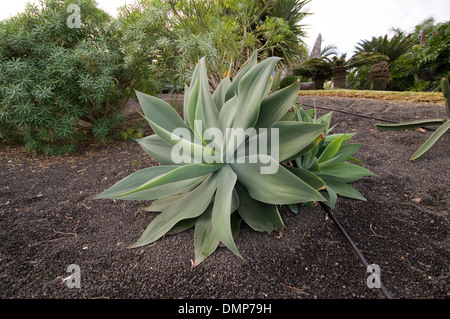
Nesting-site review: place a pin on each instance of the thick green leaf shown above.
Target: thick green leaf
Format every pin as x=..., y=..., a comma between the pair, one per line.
x=182, y=225
x=190, y=205
x=227, y=114
x=135, y=180
x=206, y=112
x=206, y=240
x=166, y=122
x=344, y=190
x=252, y=87
x=157, y=148
x=233, y=88
x=187, y=90
x=309, y=150
x=344, y=154
x=162, y=203
x=410, y=125
x=281, y=187
x=345, y=170
x=331, y=150
x=438, y=134
x=276, y=105
x=160, y=112
x=293, y=138
x=330, y=196
x=181, y=173
x=222, y=209
x=259, y=216
x=192, y=100
x=308, y=177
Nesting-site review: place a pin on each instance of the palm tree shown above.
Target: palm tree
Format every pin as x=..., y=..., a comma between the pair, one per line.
x=379, y=52
x=339, y=70
x=290, y=12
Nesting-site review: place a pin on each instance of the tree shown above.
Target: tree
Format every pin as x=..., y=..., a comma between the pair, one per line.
x=168, y=38
x=378, y=53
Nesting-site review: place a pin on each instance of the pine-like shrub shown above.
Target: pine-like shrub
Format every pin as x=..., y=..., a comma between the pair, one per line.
x=55, y=76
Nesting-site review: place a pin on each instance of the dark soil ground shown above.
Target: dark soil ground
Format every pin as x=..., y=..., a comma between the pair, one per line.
x=48, y=221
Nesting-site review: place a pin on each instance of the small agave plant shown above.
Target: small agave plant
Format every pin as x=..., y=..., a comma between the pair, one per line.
x=444, y=126
x=213, y=178
x=331, y=161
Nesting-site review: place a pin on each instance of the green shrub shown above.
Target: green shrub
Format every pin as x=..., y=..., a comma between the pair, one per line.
x=54, y=75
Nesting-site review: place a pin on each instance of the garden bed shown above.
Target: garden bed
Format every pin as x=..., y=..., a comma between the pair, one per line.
x=49, y=221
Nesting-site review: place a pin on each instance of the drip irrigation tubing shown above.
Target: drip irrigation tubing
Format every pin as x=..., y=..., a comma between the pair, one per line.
x=386, y=293
x=358, y=115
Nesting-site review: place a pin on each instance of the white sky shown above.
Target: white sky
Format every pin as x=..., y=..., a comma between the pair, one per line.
x=345, y=22
x=342, y=23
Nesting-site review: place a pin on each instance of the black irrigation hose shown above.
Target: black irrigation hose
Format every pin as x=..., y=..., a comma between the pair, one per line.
x=357, y=251
x=359, y=115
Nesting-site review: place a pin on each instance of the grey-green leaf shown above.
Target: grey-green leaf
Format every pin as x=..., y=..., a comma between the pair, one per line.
x=258, y=215
x=222, y=209
x=190, y=205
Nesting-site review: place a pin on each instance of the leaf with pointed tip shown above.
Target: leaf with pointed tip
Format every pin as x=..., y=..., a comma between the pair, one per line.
x=233, y=88
x=206, y=111
x=331, y=149
x=190, y=205
x=275, y=106
x=222, y=209
x=165, y=122
x=410, y=125
x=252, y=87
x=157, y=148
x=181, y=173
x=432, y=140
x=345, y=170
x=206, y=240
x=135, y=180
x=308, y=177
x=345, y=190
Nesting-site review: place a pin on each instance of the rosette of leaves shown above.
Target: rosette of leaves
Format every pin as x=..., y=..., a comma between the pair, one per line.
x=216, y=197
x=331, y=160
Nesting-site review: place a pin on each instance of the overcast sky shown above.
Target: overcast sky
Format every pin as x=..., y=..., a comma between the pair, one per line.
x=342, y=23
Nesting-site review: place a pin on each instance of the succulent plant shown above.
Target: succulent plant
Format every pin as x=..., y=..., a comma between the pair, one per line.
x=331, y=160
x=211, y=177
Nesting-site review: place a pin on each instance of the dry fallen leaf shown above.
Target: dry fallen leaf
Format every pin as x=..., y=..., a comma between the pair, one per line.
x=422, y=130
x=416, y=200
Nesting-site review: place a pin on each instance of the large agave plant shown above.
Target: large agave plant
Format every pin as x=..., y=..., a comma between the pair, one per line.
x=215, y=192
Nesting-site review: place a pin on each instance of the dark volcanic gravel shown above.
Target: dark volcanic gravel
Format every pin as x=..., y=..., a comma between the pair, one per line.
x=48, y=221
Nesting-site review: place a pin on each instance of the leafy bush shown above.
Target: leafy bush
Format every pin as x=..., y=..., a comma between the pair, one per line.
x=54, y=76
x=227, y=185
